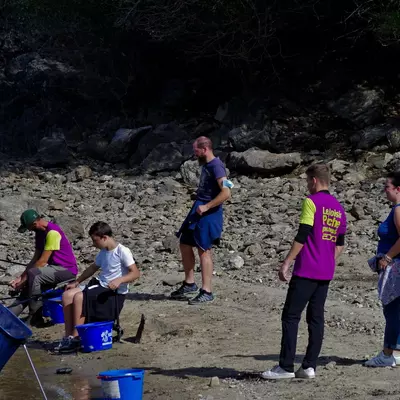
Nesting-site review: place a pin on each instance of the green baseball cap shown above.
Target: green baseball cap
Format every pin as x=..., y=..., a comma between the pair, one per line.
x=28, y=217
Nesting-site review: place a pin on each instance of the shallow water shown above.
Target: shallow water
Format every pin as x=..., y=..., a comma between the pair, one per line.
x=17, y=380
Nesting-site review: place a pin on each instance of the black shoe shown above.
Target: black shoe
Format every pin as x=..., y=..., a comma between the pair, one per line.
x=36, y=319
x=185, y=292
x=69, y=345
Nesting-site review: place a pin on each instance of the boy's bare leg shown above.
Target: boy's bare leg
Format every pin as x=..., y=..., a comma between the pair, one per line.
x=78, y=319
x=68, y=309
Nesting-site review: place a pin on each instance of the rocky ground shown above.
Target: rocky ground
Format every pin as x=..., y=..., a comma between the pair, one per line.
x=183, y=347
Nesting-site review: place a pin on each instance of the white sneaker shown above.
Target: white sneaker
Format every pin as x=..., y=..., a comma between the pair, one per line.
x=381, y=361
x=308, y=373
x=277, y=373
x=397, y=360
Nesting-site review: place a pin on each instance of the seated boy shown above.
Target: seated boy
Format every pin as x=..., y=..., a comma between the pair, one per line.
x=117, y=268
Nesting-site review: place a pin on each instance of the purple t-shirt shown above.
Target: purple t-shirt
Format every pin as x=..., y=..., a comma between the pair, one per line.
x=54, y=239
x=208, y=187
x=327, y=217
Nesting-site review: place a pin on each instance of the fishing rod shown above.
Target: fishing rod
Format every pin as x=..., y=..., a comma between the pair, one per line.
x=37, y=297
x=13, y=262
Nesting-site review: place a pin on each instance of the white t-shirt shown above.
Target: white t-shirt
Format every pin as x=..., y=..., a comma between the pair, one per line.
x=114, y=264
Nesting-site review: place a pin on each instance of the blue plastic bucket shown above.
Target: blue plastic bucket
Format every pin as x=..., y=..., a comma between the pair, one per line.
x=122, y=384
x=55, y=309
x=50, y=294
x=96, y=336
x=13, y=332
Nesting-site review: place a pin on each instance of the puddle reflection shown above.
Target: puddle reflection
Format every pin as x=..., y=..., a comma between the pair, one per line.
x=17, y=380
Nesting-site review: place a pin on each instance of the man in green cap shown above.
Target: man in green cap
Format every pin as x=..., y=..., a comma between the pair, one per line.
x=53, y=262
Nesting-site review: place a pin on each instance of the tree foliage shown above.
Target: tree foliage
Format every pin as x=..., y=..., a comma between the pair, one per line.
x=234, y=32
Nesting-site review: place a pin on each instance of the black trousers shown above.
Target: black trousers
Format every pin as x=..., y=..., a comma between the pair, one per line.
x=303, y=291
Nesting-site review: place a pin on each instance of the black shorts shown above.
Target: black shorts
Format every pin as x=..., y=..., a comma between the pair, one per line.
x=101, y=304
x=187, y=237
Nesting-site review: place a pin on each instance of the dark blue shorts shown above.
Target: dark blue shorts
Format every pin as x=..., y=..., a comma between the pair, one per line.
x=187, y=237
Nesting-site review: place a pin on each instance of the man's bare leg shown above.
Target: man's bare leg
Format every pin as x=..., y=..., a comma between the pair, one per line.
x=205, y=295
x=188, y=262
x=207, y=266
x=188, y=288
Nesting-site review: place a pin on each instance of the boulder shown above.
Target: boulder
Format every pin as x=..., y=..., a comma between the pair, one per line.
x=96, y=146
x=371, y=136
x=162, y=134
x=360, y=106
x=242, y=139
x=263, y=162
x=81, y=173
x=53, y=151
x=123, y=143
x=393, y=136
x=190, y=171
x=71, y=226
x=11, y=208
x=32, y=69
x=166, y=157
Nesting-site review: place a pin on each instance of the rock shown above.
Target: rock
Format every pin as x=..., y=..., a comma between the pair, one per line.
x=238, y=111
x=214, y=382
x=53, y=151
x=394, y=163
x=172, y=281
x=166, y=157
x=369, y=137
x=235, y=262
x=331, y=365
x=379, y=161
x=243, y=139
x=33, y=70
x=81, y=173
x=360, y=106
x=263, y=162
x=191, y=171
x=14, y=270
x=11, y=208
x=254, y=249
x=393, y=137
x=57, y=205
x=124, y=143
x=171, y=244
x=357, y=212
x=71, y=226
x=166, y=134
x=97, y=146
x=339, y=167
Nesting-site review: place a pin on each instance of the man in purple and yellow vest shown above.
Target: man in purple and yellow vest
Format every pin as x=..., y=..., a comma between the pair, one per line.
x=53, y=262
x=316, y=247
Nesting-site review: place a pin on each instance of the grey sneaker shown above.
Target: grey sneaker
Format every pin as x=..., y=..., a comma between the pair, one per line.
x=381, y=361
x=185, y=292
x=308, y=373
x=201, y=298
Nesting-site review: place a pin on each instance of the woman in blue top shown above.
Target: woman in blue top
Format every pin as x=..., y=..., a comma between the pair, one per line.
x=387, y=264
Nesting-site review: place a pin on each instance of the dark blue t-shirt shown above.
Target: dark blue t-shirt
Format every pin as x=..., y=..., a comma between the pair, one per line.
x=387, y=233
x=208, y=187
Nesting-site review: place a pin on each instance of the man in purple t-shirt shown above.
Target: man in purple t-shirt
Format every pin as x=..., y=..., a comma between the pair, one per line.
x=319, y=241
x=53, y=262
x=203, y=226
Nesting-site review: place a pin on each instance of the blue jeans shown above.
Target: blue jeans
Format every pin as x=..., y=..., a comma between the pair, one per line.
x=392, y=330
